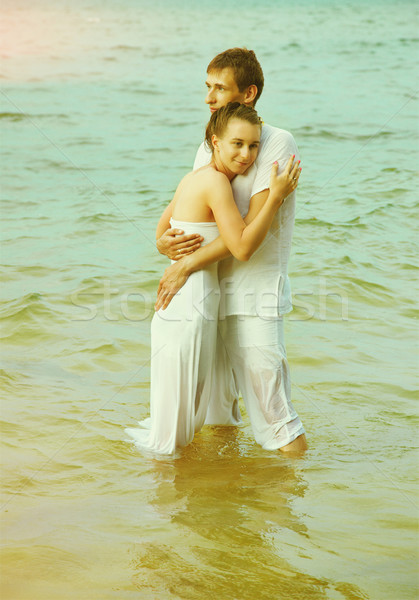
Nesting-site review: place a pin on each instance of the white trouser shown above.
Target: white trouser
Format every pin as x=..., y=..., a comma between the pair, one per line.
x=255, y=351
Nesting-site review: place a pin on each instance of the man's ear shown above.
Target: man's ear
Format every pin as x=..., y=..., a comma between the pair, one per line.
x=250, y=95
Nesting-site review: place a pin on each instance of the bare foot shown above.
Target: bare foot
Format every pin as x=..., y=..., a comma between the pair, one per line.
x=296, y=447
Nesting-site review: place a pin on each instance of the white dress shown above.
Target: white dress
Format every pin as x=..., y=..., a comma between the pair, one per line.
x=183, y=343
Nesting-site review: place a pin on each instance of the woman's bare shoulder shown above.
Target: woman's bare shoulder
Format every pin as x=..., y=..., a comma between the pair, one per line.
x=209, y=176
x=184, y=183
x=203, y=180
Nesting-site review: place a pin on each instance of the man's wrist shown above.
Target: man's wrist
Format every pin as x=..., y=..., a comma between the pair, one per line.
x=187, y=264
x=160, y=247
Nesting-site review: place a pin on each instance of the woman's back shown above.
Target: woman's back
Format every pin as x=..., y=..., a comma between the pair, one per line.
x=190, y=202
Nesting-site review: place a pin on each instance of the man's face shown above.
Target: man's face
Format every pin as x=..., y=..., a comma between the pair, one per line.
x=222, y=89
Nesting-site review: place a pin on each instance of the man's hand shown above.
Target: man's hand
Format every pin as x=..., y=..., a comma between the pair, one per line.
x=175, y=245
x=173, y=279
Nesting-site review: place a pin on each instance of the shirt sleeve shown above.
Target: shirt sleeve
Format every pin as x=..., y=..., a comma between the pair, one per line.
x=202, y=158
x=278, y=147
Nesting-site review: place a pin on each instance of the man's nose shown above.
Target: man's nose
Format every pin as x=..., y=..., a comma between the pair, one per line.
x=209, y=99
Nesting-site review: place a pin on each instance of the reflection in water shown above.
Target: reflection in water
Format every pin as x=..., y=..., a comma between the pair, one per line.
x=221, y=506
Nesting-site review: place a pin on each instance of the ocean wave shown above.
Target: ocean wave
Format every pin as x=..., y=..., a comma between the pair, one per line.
x=8, y=382
x=369, y=292
x=108, y=349
x=141, y=91
x=101, y=218
x=20, y=116
x=30, y=309
x=328, y=134
x=126, y=47
x=335, y=225
x=411, y=40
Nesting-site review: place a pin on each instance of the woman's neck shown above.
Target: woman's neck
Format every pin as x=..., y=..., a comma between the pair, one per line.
x=218, y=165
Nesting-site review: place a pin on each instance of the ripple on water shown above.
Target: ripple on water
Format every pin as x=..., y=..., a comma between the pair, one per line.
x=21, y=116
x=31, y=308
x=373, y=294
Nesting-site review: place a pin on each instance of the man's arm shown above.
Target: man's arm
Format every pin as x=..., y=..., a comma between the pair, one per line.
x=176, y=275
x=172, y=242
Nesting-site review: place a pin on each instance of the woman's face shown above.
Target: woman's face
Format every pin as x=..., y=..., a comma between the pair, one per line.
x=237, y=148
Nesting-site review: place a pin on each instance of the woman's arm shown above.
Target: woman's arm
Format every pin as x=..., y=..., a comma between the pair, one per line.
x=242, y=240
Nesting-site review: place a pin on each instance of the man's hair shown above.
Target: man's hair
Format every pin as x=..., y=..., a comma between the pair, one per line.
x=220, y=119
x=246, y=68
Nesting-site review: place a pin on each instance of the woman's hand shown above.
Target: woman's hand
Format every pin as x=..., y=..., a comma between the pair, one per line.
x=174, y=245
x=282, y=185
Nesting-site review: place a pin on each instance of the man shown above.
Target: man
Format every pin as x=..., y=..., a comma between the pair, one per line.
x=251, y=353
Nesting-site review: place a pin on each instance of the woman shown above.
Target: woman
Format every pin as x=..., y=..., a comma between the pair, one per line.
x=183, y=336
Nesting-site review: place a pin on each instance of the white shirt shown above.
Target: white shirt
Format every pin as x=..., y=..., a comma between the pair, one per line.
x=260, y=286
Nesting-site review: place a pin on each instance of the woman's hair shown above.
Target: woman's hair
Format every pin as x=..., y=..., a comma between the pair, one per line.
x=221, y=117
x=246, y=68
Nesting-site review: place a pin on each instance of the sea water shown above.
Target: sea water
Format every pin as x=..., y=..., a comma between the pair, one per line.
x=102, y=112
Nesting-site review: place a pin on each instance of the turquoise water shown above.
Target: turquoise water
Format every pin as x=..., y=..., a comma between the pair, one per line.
x=101, y=112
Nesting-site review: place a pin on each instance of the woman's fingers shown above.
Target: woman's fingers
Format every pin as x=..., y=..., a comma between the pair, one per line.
x=290, y=162
x=274, y=171
x=291, y=167
x=295, y=175
x=296, y=170
x=293, y=170
x=288, y=176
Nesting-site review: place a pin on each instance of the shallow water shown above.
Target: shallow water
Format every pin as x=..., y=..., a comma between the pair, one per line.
x=102, y=110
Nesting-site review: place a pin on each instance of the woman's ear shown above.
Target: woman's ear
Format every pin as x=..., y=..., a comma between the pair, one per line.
x=214, y=141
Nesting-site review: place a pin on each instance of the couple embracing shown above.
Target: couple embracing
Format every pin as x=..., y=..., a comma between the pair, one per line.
x=218, y=328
